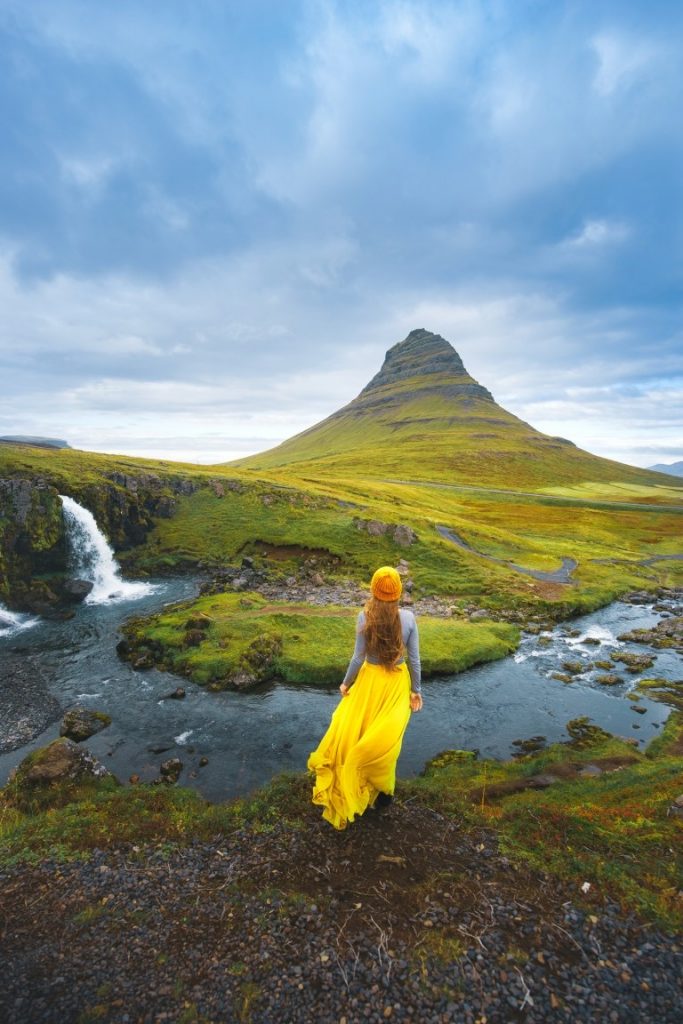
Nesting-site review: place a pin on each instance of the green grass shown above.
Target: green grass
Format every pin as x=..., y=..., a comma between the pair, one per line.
x=613, y=831
x=301, y=643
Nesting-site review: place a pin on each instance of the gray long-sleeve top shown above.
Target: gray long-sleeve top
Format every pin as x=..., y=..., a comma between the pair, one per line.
x=410, y=640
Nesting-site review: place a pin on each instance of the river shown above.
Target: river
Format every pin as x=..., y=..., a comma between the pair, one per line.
x=249, y=737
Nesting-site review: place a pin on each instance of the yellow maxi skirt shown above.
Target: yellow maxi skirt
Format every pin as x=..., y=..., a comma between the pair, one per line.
x=356, y=758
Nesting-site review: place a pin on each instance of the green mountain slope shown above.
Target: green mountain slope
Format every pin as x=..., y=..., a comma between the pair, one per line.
x=423, y=417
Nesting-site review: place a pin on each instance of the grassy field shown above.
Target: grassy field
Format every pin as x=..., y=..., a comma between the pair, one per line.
x=608, y=538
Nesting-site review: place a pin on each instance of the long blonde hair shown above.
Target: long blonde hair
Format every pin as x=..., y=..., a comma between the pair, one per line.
x=383, y=632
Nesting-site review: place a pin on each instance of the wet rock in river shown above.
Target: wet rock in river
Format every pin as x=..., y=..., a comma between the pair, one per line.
x=80, y=724
x=609, y=679
x=563, y=677
x=170, y=770
x=76, y=590
x=575, y=668
x=634, y=662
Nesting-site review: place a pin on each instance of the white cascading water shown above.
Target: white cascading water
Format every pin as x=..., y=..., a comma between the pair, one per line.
x=14, y=622
x=93, y=558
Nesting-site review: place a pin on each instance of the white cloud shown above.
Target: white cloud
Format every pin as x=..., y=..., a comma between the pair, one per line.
x=598, y=233
x=621, y=60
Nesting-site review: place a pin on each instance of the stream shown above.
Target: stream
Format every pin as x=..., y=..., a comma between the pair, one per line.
x=249, y=737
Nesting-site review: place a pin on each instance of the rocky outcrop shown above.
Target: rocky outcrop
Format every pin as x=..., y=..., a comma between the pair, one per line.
x=54, y=776
x=32, y=539
x=80, y=724
x=424, y=354
x=401, y=534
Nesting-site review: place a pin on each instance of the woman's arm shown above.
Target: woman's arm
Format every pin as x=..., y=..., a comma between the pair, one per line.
x=413, y=657
x=414, y=666
x=357, y=658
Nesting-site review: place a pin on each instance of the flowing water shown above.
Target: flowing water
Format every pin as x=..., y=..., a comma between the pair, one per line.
x=249, y=737
x=93, y=559
x=14, y=622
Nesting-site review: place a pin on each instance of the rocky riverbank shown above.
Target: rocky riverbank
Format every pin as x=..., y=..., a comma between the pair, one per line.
x=26, y=705
x=277, y=925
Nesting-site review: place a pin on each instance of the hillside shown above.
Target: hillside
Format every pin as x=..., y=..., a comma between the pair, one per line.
x=424, y=418
x=422, y=465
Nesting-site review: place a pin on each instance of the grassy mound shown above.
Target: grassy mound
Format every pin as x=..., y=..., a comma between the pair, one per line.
x=227, y=640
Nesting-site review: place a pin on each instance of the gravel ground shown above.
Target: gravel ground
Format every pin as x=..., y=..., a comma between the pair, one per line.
x=405, y=916
x=26, y=705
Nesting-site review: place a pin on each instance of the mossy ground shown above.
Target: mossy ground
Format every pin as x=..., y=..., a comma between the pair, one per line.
x=613, y=831
x=302, y=643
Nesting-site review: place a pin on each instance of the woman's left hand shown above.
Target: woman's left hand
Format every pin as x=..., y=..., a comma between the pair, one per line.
x=415, y=701
x=343, y=689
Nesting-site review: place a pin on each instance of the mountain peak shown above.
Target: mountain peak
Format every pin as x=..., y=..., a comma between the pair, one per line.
x=423, y=354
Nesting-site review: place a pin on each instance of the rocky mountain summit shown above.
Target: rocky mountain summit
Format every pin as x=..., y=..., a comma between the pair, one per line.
x=422, y=417
x=424, y=355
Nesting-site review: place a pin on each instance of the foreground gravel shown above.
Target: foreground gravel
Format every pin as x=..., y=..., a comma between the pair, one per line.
x=404, y=917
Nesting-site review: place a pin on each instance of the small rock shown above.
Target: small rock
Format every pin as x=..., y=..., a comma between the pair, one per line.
x=170, y=770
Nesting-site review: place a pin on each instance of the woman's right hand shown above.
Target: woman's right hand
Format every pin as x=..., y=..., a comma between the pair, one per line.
x=343, y=689
x=415, y=701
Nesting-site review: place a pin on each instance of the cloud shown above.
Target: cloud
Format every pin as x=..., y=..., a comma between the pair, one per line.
x=622, y=60
x=260, y=199
x=597, y=233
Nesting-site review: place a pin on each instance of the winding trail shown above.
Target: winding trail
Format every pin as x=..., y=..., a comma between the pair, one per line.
x=561, y=575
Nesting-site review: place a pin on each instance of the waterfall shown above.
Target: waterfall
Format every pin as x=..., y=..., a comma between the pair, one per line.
x=14, y=622
x=93, y=558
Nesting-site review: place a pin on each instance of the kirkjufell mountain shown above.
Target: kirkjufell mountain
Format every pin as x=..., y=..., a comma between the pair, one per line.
x=423, y=417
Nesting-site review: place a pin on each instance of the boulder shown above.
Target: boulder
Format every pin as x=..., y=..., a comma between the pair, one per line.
x=54, y=776
x=80, y=724
x=404, y=536
x=77, y=590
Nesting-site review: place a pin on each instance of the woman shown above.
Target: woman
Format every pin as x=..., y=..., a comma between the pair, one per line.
x=355, y=763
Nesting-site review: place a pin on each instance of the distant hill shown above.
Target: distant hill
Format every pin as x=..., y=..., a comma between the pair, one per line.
x=673, y=468
x=39, y=442
x=423, y=417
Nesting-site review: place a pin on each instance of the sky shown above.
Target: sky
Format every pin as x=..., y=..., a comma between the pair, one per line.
x=217, y=215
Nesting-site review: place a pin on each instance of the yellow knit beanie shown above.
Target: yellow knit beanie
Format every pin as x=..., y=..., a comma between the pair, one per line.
x=386, y=584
